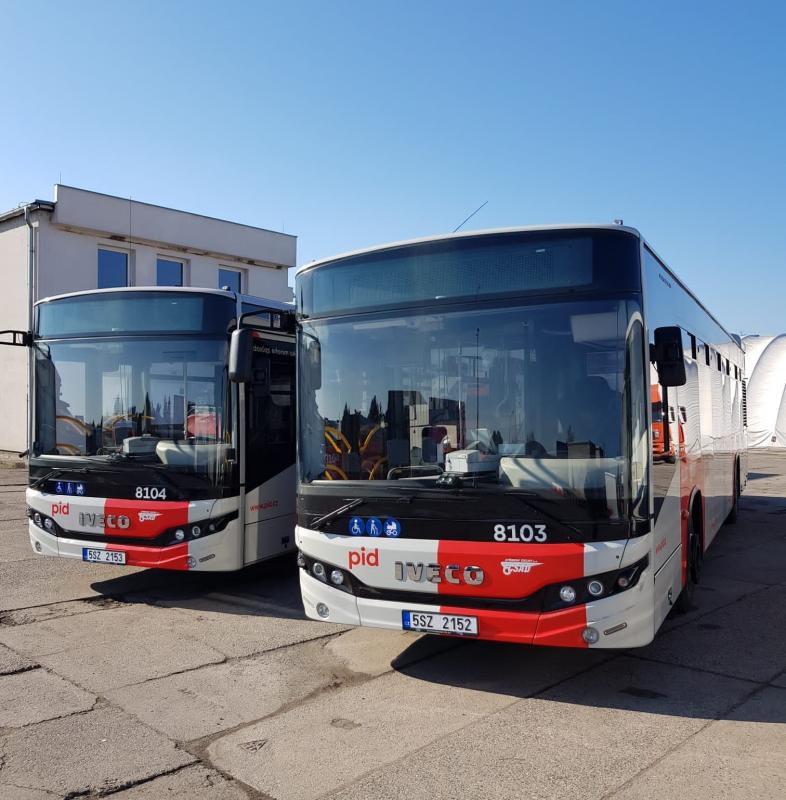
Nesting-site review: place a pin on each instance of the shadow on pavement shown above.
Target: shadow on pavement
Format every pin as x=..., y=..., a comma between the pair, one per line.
x=703, y=665
x=270, y=588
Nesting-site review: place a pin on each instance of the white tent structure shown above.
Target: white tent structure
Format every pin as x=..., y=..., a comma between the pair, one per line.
x=765, y=366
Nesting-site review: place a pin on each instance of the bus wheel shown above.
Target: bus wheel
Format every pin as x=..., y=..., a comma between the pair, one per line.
x=735, y=501
x=685, y=600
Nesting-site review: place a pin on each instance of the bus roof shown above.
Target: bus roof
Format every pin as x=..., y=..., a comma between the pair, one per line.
x=262, y=301
x=465, y=235
x=521, y=229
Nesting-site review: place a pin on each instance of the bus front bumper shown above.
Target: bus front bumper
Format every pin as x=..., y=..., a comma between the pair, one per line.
x=208, y=554
x=621, y=621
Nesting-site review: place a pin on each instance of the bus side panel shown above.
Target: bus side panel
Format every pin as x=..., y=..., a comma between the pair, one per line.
x=270, y=517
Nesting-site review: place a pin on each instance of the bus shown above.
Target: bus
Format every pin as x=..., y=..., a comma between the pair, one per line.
x=163, y=428
x=527, y=435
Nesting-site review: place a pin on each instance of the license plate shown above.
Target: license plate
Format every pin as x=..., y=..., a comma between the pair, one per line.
x=439, y=623
x=103, y=556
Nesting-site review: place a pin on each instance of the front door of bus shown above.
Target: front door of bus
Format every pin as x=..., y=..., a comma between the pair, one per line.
x=270, y=447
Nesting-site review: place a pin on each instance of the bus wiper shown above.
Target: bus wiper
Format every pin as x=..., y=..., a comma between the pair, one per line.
x=555, y=519
x=336, y=512
x=56, y=471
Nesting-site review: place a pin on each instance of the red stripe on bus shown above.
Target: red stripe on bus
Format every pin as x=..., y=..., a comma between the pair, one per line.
x=562, y=628
x=175, y=557
x=146, y=519
x=509, y=570
x=500, y=626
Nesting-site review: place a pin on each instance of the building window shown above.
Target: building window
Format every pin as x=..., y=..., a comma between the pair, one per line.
x=169, y=272
x=230, y=279
x=112, y=269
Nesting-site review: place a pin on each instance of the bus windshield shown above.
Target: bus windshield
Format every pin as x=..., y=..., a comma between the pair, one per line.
x=161, y=401
x=526, y=398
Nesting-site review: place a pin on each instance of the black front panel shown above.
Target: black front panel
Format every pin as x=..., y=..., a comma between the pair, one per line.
x=461, y=517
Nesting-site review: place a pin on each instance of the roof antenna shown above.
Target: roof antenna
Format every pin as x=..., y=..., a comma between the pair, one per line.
x=470, y=216
x=618, y=222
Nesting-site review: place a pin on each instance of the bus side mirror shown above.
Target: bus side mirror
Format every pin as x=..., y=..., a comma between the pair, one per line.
x=669, y=356
x=240, y=350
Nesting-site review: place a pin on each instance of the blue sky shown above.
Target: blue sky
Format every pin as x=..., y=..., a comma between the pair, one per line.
x=352, y=123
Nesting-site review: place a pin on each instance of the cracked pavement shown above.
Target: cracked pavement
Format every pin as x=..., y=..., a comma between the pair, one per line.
x=139, y=685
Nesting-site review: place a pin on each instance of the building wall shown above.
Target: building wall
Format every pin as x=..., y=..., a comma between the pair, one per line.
x=67, y=244
x=68, y=262
x=13, y=316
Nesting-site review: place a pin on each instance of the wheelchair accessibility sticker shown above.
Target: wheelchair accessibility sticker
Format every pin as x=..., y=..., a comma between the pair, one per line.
x=373, y=526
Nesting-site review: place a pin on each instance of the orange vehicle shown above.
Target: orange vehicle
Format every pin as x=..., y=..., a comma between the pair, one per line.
x=659, y=451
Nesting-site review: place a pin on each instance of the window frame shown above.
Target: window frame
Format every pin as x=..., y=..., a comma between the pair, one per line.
x=183, y=266
x=129, y=265
x=242, y=277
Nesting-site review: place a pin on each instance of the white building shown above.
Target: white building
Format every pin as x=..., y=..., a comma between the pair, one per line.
x=86, y=240
x=765, y=364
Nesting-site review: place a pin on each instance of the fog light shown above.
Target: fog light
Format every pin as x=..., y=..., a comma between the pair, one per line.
x=567, y=594
x=196, y=531
x=590, y=635
x=48, y=524
x=191, y=562
x=38, y=547
x=595, y=588
x=323, y=610
x=301, y=560
x=37, y=519
x=623, y=581
x=337, y=577
x=180, y=534
x=319, y=570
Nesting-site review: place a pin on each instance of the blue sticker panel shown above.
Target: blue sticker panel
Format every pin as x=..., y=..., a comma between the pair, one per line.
x=392, y=527
x=405, y=619
x=357, y=526
x=373, y=526
x=70, y=487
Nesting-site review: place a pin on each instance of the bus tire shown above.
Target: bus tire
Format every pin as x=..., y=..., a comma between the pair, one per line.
x=735, y=501
x=685, y=600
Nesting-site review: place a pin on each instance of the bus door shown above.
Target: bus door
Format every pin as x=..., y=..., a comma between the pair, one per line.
x=270, y=447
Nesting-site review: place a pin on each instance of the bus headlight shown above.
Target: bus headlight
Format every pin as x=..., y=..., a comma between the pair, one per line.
x=595, y=588
x=336, y=577
x=557, y=596
x=567, y=594
x=318, y=571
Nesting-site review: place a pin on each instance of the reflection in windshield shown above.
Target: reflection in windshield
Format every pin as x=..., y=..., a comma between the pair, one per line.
x=165, y=401
x=510, y=398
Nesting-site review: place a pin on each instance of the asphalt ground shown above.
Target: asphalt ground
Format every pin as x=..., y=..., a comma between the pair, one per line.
x=140, y=684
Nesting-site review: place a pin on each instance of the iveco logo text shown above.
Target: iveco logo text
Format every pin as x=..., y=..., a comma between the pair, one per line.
x=436, y=573
x=104, y=520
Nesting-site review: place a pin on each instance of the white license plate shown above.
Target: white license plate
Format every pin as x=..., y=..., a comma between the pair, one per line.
x=103, y=556
x=439, y=623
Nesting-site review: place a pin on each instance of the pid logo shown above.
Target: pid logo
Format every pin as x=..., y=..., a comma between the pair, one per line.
x=64, y=509
x=363, y=558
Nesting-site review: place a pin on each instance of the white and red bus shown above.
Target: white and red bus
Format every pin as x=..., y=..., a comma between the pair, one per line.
x=528, y=435
x=163, y=431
